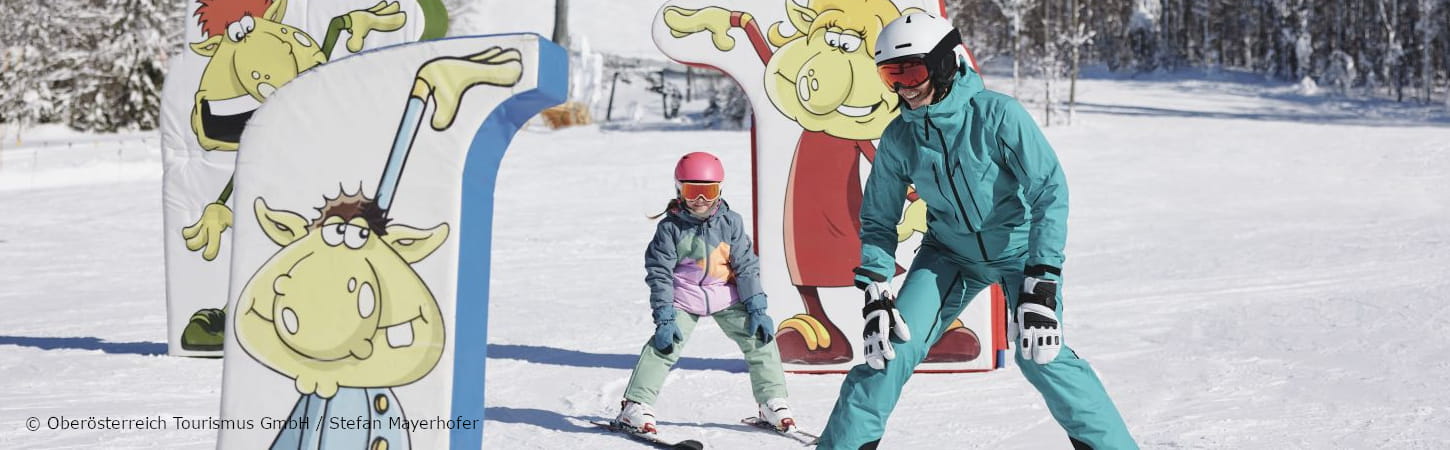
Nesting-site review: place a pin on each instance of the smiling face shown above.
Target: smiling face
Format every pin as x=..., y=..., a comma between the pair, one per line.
x=824, y=77
x=699, y=206
x=248, y=62
x=342, y=299
x=917, y=96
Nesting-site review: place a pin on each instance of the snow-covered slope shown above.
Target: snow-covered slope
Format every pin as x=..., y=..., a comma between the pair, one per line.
x=1247, y=268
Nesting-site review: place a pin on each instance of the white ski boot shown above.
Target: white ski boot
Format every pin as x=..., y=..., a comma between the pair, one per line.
x=777, y=413
x=636, y=416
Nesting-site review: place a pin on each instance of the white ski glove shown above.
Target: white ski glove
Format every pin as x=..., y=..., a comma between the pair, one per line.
x=883, y=322
x=1038, y=332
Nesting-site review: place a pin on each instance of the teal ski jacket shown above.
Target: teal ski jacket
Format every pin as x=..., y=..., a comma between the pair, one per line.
x=992, y=185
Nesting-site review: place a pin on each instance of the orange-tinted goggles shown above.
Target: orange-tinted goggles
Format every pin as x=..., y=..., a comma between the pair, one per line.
x=690, y=190
x=905, y=74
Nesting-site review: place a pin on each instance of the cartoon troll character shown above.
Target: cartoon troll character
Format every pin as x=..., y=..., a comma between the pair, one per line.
x=340, y=310
x=252, y=54
x=823, y=77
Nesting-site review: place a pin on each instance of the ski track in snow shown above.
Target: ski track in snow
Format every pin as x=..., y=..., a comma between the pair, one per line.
x=1247, y=268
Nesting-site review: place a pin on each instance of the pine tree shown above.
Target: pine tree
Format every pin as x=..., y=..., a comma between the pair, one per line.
x=95, y=65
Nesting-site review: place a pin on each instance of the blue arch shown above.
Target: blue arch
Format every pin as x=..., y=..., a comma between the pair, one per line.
x=475, y=234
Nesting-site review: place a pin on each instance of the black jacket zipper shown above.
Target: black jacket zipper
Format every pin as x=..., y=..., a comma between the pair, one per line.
x=946, y=166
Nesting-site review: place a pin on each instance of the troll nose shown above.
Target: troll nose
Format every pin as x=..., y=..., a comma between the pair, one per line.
x=822, y=87
x=367, y=299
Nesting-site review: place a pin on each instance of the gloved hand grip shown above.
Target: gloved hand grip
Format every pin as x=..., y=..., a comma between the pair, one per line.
x=883, y=324
x=1040, y=334
x=666, y=335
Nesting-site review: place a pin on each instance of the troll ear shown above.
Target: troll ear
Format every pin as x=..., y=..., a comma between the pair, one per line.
x=208, y=47
x=276, y=11
x=414, y=244
x=283, y=227
x=800, y=16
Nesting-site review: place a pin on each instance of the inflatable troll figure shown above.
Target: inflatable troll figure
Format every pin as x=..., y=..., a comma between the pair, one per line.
x=251, y=53
x=822, y=76
x=339, y=309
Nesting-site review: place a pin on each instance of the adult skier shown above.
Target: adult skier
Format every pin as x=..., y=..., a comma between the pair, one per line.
x=996, y=203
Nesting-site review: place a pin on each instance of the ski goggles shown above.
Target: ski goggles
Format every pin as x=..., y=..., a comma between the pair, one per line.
x=690, y=190
x=908, y=73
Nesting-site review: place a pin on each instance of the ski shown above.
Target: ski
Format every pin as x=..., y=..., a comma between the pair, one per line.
x=804, y=437
x=649, y=438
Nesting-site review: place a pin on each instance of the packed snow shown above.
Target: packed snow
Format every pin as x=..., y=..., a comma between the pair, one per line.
x=1248, y=267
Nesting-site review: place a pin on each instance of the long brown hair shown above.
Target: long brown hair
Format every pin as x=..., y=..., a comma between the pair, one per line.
x=674, y=205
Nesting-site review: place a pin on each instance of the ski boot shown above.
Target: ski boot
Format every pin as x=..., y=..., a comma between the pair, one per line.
x=777, y=413
x=636, y=417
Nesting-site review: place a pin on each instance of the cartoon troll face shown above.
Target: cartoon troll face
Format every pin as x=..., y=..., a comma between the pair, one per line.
x=823, y=74
x=252, y=54
x=340, y=304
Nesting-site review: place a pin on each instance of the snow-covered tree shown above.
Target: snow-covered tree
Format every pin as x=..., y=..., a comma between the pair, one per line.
x=1016, y=12
x=1428, y=27
x=30, y=34
x=1144, y=34
x=96, y=65
x=1347, y=44
x=1077, y=37
x=1340, y=72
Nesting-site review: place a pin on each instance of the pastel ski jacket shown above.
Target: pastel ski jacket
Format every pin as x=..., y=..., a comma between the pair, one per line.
x=992, y=185
x=700, y=265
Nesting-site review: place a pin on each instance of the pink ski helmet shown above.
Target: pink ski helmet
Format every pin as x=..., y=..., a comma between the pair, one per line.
x=699, y=166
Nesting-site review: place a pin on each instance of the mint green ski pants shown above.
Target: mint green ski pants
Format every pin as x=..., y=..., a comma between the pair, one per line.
x=935, y=292
x=767, y=379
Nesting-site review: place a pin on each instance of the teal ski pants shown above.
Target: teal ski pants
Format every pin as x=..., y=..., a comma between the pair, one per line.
x=767, y=379
x=935, y=292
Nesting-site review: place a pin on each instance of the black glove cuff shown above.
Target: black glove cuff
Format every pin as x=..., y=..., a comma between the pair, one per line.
x=878, y=305
x=1039, y=270
x=873, y=276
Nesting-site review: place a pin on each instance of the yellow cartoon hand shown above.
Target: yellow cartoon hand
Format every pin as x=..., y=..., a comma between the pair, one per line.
x=384, y=16
x=684, y=22
x=913, y=220
x=207, y=231
x=446, y=79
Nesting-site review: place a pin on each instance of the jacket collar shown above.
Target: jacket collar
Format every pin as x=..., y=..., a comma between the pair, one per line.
x=683, y=213
x=951, y=111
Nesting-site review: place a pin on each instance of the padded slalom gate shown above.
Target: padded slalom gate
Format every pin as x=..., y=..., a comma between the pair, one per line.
x=237, y=54
x=361, y=267
x=819, y=109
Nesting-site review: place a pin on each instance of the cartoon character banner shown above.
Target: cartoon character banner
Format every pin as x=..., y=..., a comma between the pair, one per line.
x=819, y=108
x=238, y=54
x=361, y=267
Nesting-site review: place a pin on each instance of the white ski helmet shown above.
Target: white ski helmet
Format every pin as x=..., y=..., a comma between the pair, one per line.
x=920, y=35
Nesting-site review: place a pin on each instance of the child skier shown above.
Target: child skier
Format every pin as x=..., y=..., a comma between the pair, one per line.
x=700, y=263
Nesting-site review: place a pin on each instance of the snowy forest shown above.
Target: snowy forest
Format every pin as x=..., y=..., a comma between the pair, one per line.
x=95, y=65
x=98, y=65
x=1394, y=48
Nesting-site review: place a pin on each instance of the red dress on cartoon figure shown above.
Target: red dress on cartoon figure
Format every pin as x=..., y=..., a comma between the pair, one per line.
x=823, y=210
x=822, y=228
x=821, y=221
